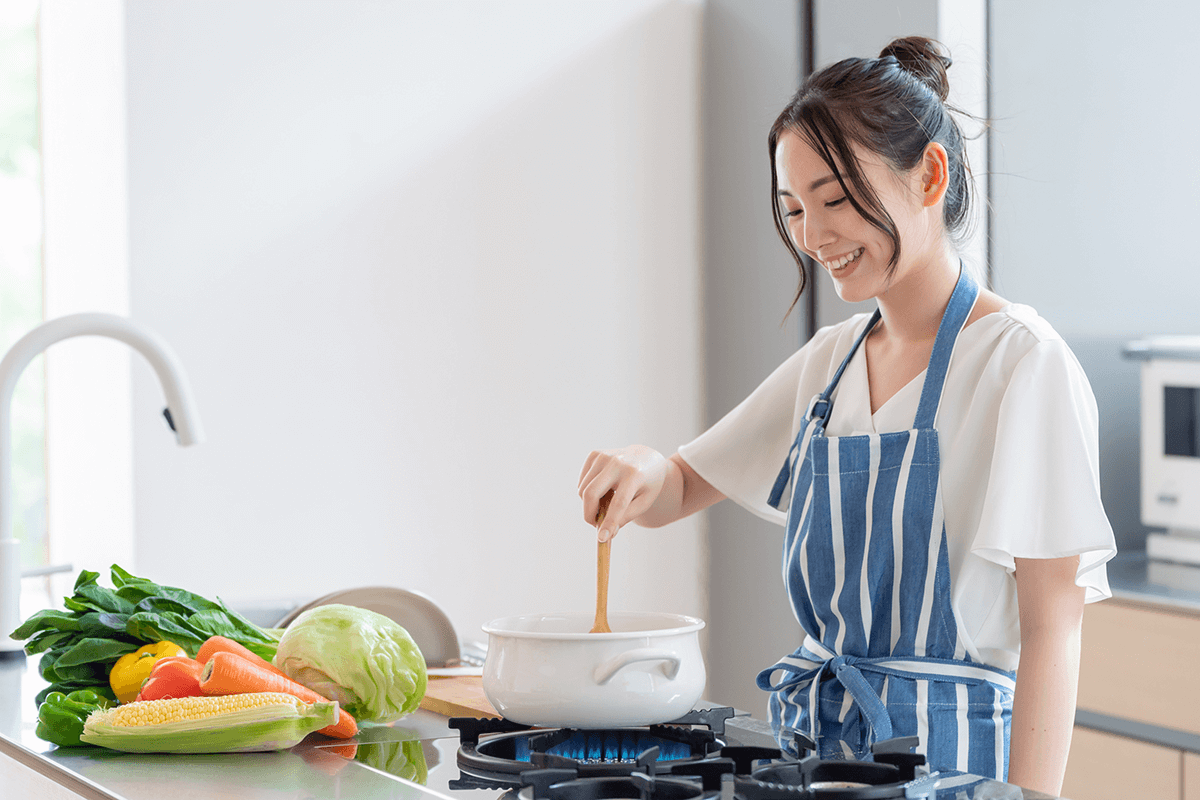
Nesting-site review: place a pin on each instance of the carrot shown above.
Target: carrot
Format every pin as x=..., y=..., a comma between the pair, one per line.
x=219, y=644
x=227, y=673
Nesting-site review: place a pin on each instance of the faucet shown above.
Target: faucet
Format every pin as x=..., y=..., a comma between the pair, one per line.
x=180, y=413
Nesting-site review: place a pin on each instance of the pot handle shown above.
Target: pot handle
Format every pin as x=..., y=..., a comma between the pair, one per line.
x=605, y=672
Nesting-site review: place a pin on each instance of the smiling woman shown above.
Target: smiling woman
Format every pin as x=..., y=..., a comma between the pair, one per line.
x=907, y=452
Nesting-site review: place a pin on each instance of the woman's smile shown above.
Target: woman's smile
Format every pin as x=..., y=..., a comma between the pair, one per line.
x=840, y=263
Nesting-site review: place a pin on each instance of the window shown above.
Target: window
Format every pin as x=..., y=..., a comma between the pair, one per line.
x=21, y=281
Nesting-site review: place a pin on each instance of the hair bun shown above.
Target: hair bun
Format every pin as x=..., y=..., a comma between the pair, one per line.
x=925, y=58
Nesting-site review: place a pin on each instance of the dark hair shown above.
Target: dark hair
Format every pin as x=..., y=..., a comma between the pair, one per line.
x=894, y=106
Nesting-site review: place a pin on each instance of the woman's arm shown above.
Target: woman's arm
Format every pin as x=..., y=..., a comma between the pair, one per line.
x=1051, y=611
x=647, y=488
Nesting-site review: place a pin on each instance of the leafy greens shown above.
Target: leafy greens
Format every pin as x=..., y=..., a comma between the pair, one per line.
x=80, y=645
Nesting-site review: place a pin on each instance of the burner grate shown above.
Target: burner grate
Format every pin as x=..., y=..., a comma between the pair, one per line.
x=499, y=750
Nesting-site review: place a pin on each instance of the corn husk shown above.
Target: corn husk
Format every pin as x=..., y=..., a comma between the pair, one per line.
x=275, y=725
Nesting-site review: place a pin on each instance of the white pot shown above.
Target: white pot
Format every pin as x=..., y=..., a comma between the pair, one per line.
x=546, y=670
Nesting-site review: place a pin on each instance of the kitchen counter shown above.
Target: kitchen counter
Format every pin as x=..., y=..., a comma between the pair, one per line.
x=318, y=768
x=1135, y=578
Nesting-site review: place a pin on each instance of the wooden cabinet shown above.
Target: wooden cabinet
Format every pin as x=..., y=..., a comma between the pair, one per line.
x=1142, y=664
x=1103, y=766
x=1138, y=663
x=1191, y=776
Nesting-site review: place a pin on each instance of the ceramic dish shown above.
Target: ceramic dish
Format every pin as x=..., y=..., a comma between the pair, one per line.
x=424, y=620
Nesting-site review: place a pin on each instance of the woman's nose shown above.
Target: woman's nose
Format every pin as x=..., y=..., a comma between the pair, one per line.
x=815, y=233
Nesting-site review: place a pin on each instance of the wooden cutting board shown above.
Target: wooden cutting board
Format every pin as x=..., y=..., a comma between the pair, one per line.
x=458, y=696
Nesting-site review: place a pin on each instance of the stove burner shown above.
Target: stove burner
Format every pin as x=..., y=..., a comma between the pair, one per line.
x=495, y=752
x=894, y=773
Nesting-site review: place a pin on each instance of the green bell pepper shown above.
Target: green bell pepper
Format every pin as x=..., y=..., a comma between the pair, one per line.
x=61, y=716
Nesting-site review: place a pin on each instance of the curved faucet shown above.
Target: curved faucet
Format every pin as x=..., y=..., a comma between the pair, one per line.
x=180, y=413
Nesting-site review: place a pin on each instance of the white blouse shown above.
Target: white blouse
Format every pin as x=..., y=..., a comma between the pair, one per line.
x=1018, y=429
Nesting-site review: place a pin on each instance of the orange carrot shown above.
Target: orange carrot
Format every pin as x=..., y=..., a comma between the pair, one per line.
x=227, y=673
x=219, y=644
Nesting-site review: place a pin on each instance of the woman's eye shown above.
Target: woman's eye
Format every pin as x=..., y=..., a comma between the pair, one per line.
x=795, y=212
x=837, y=202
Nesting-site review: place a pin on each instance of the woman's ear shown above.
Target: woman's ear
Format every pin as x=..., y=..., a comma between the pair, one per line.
x=935, y=174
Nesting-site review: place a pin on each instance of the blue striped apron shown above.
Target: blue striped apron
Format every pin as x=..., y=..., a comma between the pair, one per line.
x=866, y=569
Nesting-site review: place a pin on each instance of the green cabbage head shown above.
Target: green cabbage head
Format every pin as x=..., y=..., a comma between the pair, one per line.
x=364, y=660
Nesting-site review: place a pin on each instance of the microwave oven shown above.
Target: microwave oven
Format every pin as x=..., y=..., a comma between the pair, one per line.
x=1170, y=445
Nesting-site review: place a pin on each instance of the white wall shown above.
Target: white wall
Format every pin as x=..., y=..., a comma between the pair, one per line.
x=418, y=259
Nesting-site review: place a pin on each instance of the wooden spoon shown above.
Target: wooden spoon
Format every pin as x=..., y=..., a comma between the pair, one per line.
x=603, y=550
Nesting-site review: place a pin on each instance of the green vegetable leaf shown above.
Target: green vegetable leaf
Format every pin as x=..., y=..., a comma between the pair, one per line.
x=75, y=604
x=103, y=599
x=85, y=578
x=150, y=627
x=135, y=590
x=162, y=605
x=94, y=623
x=81, y=673
x=47, y=619
x=246, y=628
x=91, y=651
x=46, y=639
x=48, y=660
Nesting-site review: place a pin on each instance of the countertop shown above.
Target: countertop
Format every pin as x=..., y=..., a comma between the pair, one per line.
x=1133, y=577
x=319, y=767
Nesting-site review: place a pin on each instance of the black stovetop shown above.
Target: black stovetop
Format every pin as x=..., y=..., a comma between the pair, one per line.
x=727, y=754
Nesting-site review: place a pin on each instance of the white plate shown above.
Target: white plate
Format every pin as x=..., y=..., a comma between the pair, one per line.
x=424, y=620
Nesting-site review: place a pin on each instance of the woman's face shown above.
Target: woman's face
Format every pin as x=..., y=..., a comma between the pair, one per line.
x=824, y=225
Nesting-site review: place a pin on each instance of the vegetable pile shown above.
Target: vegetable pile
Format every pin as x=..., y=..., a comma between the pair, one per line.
x=191, y=676
x=81, y=645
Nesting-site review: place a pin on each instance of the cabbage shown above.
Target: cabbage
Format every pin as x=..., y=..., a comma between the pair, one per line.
x=405, y=759
x=364, y=660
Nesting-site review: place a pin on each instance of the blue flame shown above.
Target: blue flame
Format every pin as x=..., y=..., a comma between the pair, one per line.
x=609, y=747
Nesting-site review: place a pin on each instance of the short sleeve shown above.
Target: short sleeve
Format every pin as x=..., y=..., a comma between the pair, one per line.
x=1043, y=493
x=742, y=454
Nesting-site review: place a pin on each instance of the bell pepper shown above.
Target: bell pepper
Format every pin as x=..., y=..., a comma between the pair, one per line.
x=61, y=716
x=177, y=676
x=132, y=669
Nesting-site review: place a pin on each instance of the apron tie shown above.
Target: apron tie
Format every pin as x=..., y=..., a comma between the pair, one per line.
x=853, y=681
x=812, y=665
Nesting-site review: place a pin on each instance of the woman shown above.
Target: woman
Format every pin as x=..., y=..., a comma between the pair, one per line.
x=934, y=463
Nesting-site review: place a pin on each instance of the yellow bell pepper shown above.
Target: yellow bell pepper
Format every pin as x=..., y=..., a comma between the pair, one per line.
x=131, y=669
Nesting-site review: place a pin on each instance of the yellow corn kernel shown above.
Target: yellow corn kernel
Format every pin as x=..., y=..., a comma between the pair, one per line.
x=187, y=709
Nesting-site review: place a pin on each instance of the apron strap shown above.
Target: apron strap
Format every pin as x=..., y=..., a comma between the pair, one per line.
x=962, y=300
x=821, y=405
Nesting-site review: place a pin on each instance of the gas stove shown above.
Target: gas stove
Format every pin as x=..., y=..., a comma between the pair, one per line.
x=709, y=754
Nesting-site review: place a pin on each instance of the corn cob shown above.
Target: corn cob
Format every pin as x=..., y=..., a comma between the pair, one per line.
x=219, y=724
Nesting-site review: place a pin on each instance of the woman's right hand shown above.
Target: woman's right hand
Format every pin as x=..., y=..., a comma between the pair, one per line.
x=635, y=475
